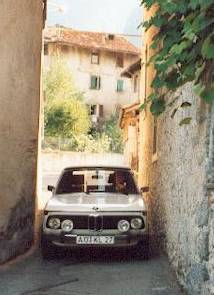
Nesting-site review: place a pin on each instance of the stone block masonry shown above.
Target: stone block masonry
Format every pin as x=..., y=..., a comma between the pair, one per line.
x=181, y=178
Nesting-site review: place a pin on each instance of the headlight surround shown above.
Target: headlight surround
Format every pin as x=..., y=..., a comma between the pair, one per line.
x=54, y=223
x=136, y=223
x=123, y=226
x=67, y=225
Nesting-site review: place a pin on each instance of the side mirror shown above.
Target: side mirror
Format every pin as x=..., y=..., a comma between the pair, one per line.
x=51, y=188
x=144, y=189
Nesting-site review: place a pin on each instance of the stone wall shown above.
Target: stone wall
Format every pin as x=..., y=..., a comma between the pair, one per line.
x=180, y=179
x=208, y=286
x=20, y=55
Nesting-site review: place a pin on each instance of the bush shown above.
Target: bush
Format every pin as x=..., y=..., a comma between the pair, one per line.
x=113, y=131
x=66, y=118
x=81, y=143
x=88, y=143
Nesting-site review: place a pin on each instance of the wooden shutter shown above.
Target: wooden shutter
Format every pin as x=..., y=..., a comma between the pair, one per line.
x=98, y=82
x=119, y=60
x=101, y=111
x=93, y=82
x=120, y=84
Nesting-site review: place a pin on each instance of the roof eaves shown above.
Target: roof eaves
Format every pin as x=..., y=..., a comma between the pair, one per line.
x=132, y=69
x=131, y=107
x=56, y=40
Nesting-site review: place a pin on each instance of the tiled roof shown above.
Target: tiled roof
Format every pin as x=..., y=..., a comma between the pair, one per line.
x=92, y=40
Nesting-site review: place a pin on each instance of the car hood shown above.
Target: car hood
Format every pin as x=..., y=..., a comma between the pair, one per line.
x=82, y=202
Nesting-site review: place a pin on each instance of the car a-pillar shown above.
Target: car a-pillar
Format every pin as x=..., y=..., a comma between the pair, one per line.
x=21, y=25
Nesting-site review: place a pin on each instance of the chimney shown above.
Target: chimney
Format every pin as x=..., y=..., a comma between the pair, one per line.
x=110, y=37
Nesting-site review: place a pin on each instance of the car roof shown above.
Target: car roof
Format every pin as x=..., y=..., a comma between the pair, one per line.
x=121, y=167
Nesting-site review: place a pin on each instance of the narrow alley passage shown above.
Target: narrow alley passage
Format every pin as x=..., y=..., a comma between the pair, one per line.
x=89, y=273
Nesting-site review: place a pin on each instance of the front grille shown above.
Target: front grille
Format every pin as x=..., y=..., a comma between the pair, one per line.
x=96, y=222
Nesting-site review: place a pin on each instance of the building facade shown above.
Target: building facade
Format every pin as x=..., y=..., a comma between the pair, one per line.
x=96, y=61
x=177, y=165
x=130, y=116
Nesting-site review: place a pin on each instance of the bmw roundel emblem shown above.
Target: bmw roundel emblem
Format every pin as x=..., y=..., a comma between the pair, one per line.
x=95, y=208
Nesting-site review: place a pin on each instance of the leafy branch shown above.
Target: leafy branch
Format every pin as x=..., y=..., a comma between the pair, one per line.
x=184, y=49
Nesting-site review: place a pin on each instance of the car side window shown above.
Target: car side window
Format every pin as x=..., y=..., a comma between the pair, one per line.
x=70, y=183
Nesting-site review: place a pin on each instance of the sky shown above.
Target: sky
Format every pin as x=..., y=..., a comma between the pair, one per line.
x=115, y=16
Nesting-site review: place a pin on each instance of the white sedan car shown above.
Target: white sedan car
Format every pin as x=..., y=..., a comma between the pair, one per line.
x=95, y=207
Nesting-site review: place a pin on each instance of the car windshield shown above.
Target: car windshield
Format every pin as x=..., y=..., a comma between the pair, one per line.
x=96, y=180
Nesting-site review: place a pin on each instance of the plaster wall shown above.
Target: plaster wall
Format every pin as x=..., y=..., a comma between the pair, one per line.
x=21, y=44
x=56, y=161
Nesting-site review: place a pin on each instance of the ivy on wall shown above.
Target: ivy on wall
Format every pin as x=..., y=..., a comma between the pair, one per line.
x=184, y=47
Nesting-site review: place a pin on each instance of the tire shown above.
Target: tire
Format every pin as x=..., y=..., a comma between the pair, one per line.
x=143, y=249
x=48, y=251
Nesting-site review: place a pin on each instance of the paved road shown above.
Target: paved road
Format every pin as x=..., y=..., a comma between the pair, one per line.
x=89, y=273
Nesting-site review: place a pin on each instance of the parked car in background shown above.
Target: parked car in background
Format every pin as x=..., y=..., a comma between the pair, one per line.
x=95, y=207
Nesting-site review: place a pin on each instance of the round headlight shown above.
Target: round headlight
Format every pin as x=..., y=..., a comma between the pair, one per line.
x=54, y=223
x=67, y=225
x=123, y=226
x=136, y=223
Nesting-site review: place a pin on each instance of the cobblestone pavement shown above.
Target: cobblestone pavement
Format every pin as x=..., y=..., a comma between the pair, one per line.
x=97, y=273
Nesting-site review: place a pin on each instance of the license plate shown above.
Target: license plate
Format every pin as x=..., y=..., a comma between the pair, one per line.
x=95, y=240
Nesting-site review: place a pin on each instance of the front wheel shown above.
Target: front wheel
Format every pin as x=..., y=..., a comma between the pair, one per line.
x=143, y=249
x=48, y=251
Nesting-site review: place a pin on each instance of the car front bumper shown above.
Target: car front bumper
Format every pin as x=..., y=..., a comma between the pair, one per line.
x=129, y=239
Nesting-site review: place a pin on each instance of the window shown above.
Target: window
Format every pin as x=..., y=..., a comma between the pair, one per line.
x=93, y=109
x=96, y=110
x=120, y=85
x=95, y=82
x=95, y=58
x=119, y=61
x=46, y=49
x=95, y=180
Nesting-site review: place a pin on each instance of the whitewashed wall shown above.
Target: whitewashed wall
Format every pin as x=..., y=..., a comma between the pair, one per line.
x=79, y=62
x=54, y=162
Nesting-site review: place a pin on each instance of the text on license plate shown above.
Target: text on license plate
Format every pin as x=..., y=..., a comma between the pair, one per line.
x=95, y=240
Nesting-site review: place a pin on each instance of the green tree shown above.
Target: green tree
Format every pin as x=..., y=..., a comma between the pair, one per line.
x=66, y=118
x=58, y=81
x=113, y=131
x=66, y=115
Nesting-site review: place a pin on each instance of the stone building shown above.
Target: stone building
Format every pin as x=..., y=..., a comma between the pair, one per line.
x=96, y=61
x=20, y=58
x=129, y=118
x=177, y=164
